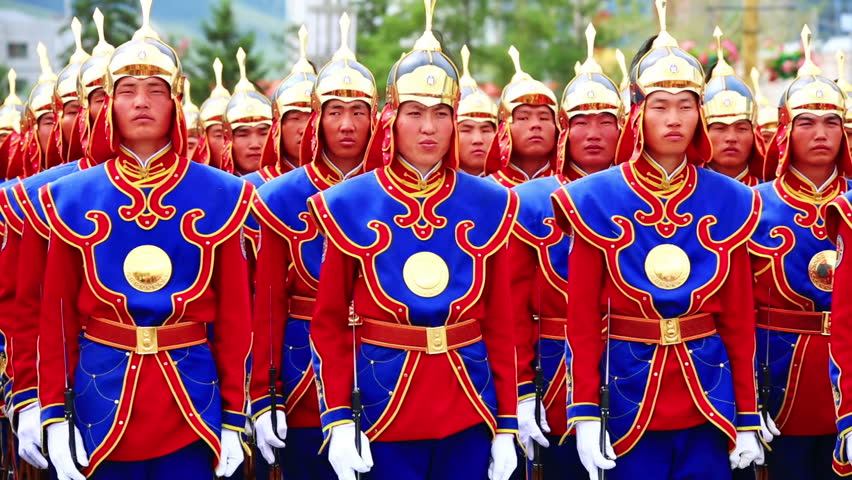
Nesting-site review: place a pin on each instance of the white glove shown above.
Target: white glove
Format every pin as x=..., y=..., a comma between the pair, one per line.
x=59, y=451
x=265, y=436
x=528, y=430
x=29, y=436
x=231, y=456
x=504, y=459
x=589, y=449
x=848, y=445
x=747, y=450
x=768, y=430
x=344, y=457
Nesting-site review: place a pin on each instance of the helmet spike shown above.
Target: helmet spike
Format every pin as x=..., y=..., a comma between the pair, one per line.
x=722, y=68
x=303, y=65
x=217, y=71
x=520, y=74
x=590, y=65
x=244, y=84
x=187, y=99
x=427, y=41
x=79, y=55
x=303, y=41
x=146, y=31
x=13, y=79
x=622, y=65
x=808, y=67
x=103, y=47
x=664, y=38
x=661, y=13
x=466, y=79
x=717, y=34
x=755, y=82
x=47, y=73
x=590, y=41
x=344, y=52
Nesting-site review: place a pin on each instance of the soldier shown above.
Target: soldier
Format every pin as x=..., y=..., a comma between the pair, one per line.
x=435, y=369
x=538, y=254
x=729, y=109
x=291, y=110
x=39, y=118
x=194, y=130
x=477, y=119
x=140, y=246
x=289, y=265
x=248, y=117
x=211, y=147
x=847, y=90
x=525, y=144
x=33, y=247
x=793, y=262
x=659, y=265
x=11, y=114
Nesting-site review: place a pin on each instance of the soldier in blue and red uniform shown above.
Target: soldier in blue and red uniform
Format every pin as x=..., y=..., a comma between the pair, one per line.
x=133, y=317
x=524, y=147
x=87, y=91
x=538, y=254
x=416, y=258
x=291, y=110
x=248, y=118
x=730, y=111
x=660, y=243
x=289, y=266
x=211, y=144
x=793, y=261
x=477, y=119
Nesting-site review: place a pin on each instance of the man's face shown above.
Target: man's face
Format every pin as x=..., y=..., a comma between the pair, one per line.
x=43, y=127
x=247, y=147
x=96, y=103
x=669, y=122
x=3, y=136
x=216, y=142
x=292, y=128
x=592, y=140
x=767, y=135
x=69, y=117
x=816, y=140
x=143, y=109
x=474, y=140
x=346, y=128
x=731, y=143
x=533, y=130
x=191, y=143
x=423, y=134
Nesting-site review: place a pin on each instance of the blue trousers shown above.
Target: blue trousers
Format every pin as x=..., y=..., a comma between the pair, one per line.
x=300, y=459
x=195, y=461
x=795, y=457
x=697, y=453
x=462, y=456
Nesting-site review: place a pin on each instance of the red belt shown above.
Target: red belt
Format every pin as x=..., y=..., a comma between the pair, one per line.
x=302, y=308
x=812, y=323
x=664, y=331
x=432, y=340
x=552, y=328
x=145, y=340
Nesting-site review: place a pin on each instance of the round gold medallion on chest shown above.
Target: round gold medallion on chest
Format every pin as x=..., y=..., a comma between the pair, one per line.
x=147, y=268
x=821, y=269
x=667, y=266
x=426, y=274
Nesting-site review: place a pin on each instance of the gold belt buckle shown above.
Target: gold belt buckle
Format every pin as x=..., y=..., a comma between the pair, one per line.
x=670, y=331
x=146, y=340
x=826, y=323
x=436, y=340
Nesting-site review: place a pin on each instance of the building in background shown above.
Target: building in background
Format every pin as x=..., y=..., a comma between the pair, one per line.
x=18, y=23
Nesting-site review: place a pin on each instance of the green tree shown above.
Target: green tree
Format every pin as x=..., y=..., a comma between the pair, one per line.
x=121, y=20
x=222, y=38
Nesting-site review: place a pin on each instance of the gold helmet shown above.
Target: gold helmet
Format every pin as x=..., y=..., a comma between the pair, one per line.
x=93, y=71
x=66, y=84
x=247, y=107
x=190, y=111
x=591, y=91
x=524, y=90
x=294, y=92
x=145, y=55
x=767, y=113
x=810, y=92
x=845, y=86
x=727, y=99
x=343, y=78
x=474, y=104
x=12, y=110
x=624, y=86
x=213, y=109
x=666, y=67
x=41, y=96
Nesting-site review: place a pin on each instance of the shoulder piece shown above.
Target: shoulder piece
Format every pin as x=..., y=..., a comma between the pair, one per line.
x=26, y=194
x=10, y=211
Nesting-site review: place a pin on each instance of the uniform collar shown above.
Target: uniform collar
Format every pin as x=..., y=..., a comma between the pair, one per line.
x=148, y=171
x=332, y=173
x=655, y=177
x=803, y=187
x=412, y=181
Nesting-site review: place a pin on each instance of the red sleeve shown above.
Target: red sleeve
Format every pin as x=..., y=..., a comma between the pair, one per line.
x=736, y=325
x=232, y=327
x=586, y=271
x=270, y=317
x=497, y=332
x=59, y=326
x=30, y=276
x=523, y=266
x=841, y=332
x=332, y=336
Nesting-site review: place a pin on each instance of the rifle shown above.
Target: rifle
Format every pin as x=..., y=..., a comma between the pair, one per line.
x=537, y=464
x=604, y=395
x=275, y=467
x=354, y=322
x=69, y=392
